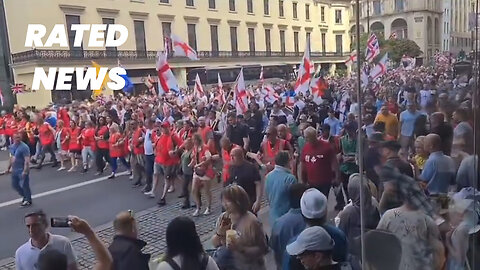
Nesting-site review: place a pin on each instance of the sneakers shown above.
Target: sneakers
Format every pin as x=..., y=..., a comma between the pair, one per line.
x=136, y=184
x=182, y=196
x=162, y=202
x=98, y=173
x=146, y=189
x=150, y=194
x=171, y=190
x=26, y=204
x=185, y=206
x=61, y=169
x=131, y=177
x=207, y=211
x=111, y=176
x=71, y=169
x=196, y=213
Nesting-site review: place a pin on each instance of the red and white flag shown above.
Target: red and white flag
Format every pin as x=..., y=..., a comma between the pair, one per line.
x=373, y=48
x=221, y=94
x=304, y=73
x=318, y=88
x=262, y=79
x=181, y=48
x=18, y=88
x=166, y=79
x=352, y=59
x=269, y=93
x=240, y=94
x=380, y=68
x=198, y=88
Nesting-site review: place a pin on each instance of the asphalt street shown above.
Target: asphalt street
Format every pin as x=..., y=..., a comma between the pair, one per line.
x=61, y=194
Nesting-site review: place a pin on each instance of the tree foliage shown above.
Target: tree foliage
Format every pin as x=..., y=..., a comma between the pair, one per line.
x=395, y=48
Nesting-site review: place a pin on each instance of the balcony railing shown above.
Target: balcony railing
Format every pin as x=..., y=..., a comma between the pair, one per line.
x=44, y=54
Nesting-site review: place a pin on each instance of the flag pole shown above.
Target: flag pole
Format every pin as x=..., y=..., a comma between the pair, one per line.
x=224, y=105
x=360, y=136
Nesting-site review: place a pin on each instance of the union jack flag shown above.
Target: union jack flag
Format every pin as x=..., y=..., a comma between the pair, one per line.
x=373, y=48
x=18, y=88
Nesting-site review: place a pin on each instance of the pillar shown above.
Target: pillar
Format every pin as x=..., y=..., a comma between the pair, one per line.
x=181, y=76
x=333, y=68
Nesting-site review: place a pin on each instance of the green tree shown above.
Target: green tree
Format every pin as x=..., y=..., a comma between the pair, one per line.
x=399, y=47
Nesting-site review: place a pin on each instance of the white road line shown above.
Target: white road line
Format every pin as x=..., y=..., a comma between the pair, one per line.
x=58, y=190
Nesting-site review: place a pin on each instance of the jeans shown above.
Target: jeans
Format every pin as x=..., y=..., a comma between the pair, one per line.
x=115, y=165
x=86, y=153
x=21, y=184
x=149, y=161
x=101, y=156
x=47, y=148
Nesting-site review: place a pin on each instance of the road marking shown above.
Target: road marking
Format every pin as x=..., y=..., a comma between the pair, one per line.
x=58, y=190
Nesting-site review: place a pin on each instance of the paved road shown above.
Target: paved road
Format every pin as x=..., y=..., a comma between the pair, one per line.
x=62, y=193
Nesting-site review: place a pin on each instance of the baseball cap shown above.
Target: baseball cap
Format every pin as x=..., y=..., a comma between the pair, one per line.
x=313, y=204
x=311, y=239
x=165, y=124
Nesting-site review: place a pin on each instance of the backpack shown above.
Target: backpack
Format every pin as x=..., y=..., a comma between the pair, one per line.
x=175, y=266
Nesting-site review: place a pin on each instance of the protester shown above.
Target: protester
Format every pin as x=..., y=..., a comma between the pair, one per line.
x=203, y=174
x=19, y=166
x=47, y=137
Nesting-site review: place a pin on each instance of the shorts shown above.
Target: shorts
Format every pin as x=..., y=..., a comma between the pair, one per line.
x=75, y=152
x=168, y=171
x=63, y=152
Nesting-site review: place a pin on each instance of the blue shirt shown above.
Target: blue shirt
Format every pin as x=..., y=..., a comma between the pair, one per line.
x=407, y=121
x=277, y=184
x=439, y=172
x=284, y=229
x=335, y=125
x=20, y=152
x=339, y=253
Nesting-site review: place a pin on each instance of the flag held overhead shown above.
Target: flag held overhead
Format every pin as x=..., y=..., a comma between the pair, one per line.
x=181, y=48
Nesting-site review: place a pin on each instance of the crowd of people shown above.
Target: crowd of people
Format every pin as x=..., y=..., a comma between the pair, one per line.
x=418, y=188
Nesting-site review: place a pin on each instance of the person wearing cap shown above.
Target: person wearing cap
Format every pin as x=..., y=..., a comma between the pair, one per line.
x=313, y=205
x=314, y=248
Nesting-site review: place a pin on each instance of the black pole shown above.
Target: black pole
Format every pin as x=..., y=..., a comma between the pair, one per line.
x=368, y=17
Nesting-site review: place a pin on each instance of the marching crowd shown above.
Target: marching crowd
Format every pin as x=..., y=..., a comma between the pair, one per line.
x=418, y=189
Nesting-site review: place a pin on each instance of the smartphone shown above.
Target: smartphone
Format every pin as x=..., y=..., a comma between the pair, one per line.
x=59, y=222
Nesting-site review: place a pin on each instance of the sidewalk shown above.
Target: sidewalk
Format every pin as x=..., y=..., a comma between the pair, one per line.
x=152, y=225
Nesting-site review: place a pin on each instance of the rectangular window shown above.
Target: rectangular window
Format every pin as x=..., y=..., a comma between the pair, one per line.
x=192, y=36
x=214, y=39
x=140, y=37
x=399, y=5
x=307, y=11
x=190, y=3
x=111, y=51
x=295, y=42
x=250, y=6
x=282, y=41
x=231, y=5
x=233, y=40
x=212, y=4
x=165, y=1
x=251, y=40
x=268, y=44
x=167, y=32
x=73, y=19
x=322, y=14
x=295, y=11
x=377, y=7
x=338, y=16
x=281, y=11
x=308, y=37
x=266, y=7
x=339, y=43
x=324, y=42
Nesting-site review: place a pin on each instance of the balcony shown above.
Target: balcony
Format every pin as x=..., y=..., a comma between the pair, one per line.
x=68, y=55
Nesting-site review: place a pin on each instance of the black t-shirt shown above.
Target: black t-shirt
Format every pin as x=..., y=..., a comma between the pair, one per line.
x=445, y=131
x=245, y=175
x=402, y=166
x=237, y=133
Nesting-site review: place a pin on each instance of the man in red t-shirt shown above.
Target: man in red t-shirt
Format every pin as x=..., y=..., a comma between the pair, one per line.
x=319, y=163
x=138, y=158
x=46, y=135
x=166, y=160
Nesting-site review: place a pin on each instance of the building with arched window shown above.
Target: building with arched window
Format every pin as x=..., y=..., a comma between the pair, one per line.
x=417, y=20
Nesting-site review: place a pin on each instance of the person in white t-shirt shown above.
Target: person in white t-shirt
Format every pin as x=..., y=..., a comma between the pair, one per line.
x=184, y=249
x=26, y=256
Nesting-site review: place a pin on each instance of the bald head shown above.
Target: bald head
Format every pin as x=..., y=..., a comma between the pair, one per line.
x=237, y=155
x=124, y=224
x=433, y=143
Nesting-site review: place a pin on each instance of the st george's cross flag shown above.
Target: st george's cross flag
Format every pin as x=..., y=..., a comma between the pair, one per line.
x=318, y=88
x=221, y=93
x=198, y=88
x=380, y=68
x=181, y=48
x=352, y=59
x=304, y=74
x=166, y=79
x=240, y=94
